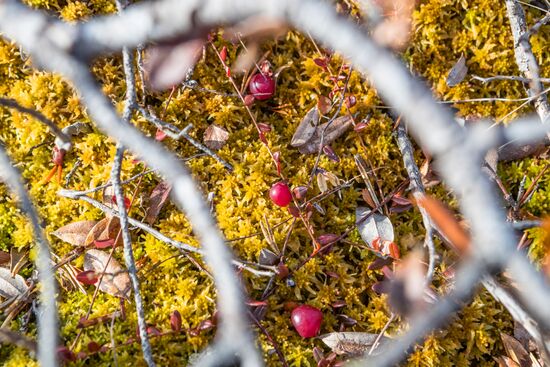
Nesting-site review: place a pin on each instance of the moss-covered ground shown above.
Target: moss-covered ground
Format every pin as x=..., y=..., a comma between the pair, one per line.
x=443, y=30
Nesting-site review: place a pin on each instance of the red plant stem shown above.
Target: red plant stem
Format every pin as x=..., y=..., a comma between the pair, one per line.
x=304, y=220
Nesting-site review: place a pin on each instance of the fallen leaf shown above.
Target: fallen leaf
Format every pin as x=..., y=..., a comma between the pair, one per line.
x=11, y=286
x=75, y=233
x=105, y=229
x=457, y=72
x=268, y=257
x=306, y=128
x=4, y=257
x=377, y=227
x=215, y=137
x=116, y=281
x=333, y=131
x=353, y=343
x=324, y=105
x=515, y=350
x=157, y=199
x=322, y=182
x=446, y=223
x=18, y=259
x=504, y=361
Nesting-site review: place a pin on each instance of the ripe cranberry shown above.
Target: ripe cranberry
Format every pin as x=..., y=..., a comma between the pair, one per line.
x=262, y=86
x=280, y=194
x=307, y=320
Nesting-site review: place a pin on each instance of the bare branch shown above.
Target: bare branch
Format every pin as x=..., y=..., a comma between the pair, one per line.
x=47, y=320
x=415, y=177
x=129, y=257
x=525, y=59
x=64, y=138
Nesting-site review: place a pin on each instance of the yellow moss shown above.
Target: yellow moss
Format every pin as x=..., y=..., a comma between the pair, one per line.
x=443, y=31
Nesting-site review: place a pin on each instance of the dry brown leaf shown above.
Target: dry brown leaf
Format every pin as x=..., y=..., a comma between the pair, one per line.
x=116, y=281
x=324, y=104
x=105, y=229
x=18, y=259
x=306, y=128
x=446, y=222
x=11, y=286
x=167, y=64
x=158, y=198
x=515, y=350
x=215, y=137
x=338, y=127
x=4, y=257
x=353, y=343
x=75, y=233
x=322, y=182
x=504, y=361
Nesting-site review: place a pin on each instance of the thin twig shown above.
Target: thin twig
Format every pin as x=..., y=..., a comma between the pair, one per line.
x=47, y=322
x=65, y=139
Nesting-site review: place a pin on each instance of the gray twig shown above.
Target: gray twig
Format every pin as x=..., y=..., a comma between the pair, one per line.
x=47, y=319
x=417, y=186
x=64, y=138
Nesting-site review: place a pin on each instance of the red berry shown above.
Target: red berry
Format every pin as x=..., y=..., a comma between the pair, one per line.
x=280, y=194
x=307, y=320
x=262, y=86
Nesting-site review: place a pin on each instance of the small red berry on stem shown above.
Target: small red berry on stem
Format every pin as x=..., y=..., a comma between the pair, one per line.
x=280, y=194
x=306, y=320
x=262, y=86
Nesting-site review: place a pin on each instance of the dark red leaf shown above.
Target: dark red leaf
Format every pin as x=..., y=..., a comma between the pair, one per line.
x=65, y=354
x=277, y=159
x=327, y=238
x=265, y=128
x=321, y=62
x=248, y=100
x=300, y=192
x=294, y=211
x=379, y=263
x=93, y=347
x=223, y=53
x=350, y=101
x=175, y=320
x=109, y=242
x=157, y=199
x=282, y=270
x=329, y=152
x=87, y=277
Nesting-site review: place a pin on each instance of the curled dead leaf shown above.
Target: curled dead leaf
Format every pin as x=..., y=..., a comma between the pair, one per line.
x=332, y=131
x=157, y=199
x=11, y=286
x=75, y=233
x=105, y=229
x=306, y=128
x=215, y=137
x=116, y=281
x=353, y=343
